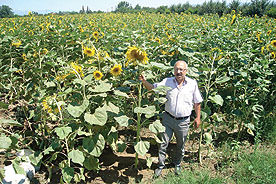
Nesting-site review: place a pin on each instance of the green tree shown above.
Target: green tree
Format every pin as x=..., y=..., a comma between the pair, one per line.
x=123, y=7
x=6, y=11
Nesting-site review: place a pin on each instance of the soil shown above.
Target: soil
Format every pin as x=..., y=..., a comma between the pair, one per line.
x=119, y=167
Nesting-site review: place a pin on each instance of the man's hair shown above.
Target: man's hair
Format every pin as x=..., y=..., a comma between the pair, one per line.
x=181, y=62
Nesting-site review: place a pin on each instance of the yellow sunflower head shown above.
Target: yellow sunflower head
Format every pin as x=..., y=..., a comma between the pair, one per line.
x=116, y=70
x=273, y=55
x=135, y=54
x=96, y=35
x=16, y=44
x=273, y=43
x=77, y=69
x=88, y=51
x=97, y=75
x=268, y=32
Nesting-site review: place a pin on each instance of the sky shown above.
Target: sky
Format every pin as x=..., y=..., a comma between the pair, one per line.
x=94, y=5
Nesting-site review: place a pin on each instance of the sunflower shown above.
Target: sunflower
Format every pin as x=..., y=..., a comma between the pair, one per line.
x=77, y=69
x=273, y=43
x=96, y=35
x=98, y=75
x=45, y=104
x=44, y=51
x=88, y=51
x=116, y=70
x=16, y=44
x=268, y=32
x=24, y=56
x=233, y=19
x=273, y=55
x=134, y=54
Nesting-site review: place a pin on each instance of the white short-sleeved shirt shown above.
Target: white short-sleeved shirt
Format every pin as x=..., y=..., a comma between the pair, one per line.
x=180, y=100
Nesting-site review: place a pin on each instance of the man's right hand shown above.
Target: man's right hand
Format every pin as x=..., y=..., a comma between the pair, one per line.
x=142, y=77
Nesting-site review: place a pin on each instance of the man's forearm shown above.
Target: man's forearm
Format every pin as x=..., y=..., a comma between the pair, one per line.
x=148, y=85
x=197, y=110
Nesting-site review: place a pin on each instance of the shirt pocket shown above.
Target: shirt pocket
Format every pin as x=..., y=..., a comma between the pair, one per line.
x=187, y=96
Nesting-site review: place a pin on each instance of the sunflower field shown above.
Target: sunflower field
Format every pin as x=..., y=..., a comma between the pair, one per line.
x=72, y=81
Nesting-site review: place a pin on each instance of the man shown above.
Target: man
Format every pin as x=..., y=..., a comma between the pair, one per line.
x=183, y=94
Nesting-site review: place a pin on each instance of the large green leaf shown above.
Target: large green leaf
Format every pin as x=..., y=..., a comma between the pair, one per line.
x=112, y=108
x=122, y=120
x=94, y=146
x=120, y=93
x=99, y=145
x=216, y=99
x=222, y=79
x=142, y=147
x=102, y=87
x=76, y=111
x=156, y=127
x=145, y=110
x=5, y=142
x=91, y=163
x=121, y=146
x=98, y=118
x=67, y=174
x=63, y=132
x=162, y=90
x=10, y=122
x=76, y=156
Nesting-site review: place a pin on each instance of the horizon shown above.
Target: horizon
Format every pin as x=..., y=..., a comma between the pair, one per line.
x=22, y=7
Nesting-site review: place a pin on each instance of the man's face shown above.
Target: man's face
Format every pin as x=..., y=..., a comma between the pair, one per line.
x=180, y=70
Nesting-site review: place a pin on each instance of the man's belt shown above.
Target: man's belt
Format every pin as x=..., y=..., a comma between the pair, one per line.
x=177, y=118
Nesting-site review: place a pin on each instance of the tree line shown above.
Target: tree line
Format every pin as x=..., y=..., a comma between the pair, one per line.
x=255, y=7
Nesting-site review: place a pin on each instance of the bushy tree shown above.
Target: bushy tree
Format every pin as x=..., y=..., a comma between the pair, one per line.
x=123, y=7
x=6, y=11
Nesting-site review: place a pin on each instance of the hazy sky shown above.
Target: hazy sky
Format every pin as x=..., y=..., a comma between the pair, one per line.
x=76, y=5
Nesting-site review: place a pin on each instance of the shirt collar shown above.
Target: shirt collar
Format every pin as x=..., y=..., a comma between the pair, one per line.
x=185, y=81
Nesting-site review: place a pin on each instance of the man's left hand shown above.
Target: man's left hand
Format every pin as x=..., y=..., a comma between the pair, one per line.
x=196, y=122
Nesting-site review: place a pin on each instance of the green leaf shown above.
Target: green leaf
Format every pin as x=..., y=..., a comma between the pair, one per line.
x=80, y=81
x=208, y=138
x=98, y=118
x=216, y=99
x=63, y=132
x=119, y=93
x=76, y=156
x=122, y=120
x=156, y=127
x=161, y=90
x=112, y=108
x=35, y=159
x=94, y=146
x=102, y=87
x=204, y=115
x=142, y=147
x=88, y=144
x=18, y=169
x=160, y=66
x=4, y=105
x=91, y=163
x=146, y=110
x=67, y=174
x=149, y=161
x=222, y=79
x=99, y=145
x=76, y=111
x=121, y=146
x=161, y=100
x=10, y=122
x=50, y=84
x=5, y=142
